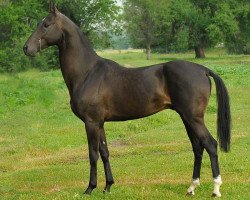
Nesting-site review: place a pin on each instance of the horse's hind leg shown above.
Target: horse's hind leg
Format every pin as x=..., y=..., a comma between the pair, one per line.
x=210, y=144
x=198, y=153
x=104, y=152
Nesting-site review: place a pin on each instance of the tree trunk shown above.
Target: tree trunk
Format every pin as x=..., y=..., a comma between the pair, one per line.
x=199, y=52
x=148, y=52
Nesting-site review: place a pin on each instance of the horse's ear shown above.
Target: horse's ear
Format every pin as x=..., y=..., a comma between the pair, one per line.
x=52, y=8
x=50, y=5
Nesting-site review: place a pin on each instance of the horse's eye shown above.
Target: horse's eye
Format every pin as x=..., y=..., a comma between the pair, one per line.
x=45, y=25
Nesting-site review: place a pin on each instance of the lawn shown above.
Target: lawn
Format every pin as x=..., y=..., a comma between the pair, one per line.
x=43, y=148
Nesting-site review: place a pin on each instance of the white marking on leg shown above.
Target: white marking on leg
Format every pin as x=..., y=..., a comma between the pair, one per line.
x=194, y=184
x=217, y=184
x=103, y=142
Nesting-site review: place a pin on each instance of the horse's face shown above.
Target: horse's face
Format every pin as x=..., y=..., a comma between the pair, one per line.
x=47, y=33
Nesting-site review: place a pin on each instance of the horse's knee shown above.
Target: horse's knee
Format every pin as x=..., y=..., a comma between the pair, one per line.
x=93, y=158
x=211, y=146
x=214, y=142
x=198, y=158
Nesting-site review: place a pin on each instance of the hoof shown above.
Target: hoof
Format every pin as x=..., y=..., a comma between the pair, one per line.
x=89, y=190
x=190, y=193
x=216, y=195
x=108, y=186
x=106, y=191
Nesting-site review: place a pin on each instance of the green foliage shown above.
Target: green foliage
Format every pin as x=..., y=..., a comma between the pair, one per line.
x=240, y=42
x=17, y=22
x=145, y=22
x=212, y=22
x=180, y=25
x=95, y=18
x=215, y=34
x=120, y=41
x=163, y=26
x=208, y=22
x=179, y=42
x=19, y=18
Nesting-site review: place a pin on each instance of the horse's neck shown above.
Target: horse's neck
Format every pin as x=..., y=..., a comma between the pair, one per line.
x=76, y=56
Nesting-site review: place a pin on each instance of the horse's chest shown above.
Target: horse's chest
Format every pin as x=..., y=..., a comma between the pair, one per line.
x=75, y=107
x=84, y=104
x=78, y=105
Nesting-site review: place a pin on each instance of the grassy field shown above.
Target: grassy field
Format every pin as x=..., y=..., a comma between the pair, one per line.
x=43, y=148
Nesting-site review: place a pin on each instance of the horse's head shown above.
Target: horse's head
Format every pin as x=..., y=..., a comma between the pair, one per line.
x=47, y=33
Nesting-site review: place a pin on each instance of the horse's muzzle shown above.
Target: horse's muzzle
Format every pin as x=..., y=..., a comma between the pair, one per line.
x=26, y=51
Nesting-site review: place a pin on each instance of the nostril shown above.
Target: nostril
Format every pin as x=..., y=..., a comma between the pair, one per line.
x=25, y=48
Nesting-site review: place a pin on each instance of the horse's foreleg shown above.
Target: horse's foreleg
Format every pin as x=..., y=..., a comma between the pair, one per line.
x=93, y=135
x=104, y=152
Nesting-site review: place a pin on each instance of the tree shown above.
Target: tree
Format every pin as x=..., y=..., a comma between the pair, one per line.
x=95, y=18
x=179, y=25
x=16, y=22
x=240, y=42
x=19, y=18
x=144, y=22
x=208, y=22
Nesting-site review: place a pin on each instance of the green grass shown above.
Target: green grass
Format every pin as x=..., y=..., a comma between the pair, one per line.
x=43, y=148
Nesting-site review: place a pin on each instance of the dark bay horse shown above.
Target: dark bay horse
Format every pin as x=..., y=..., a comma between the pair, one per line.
x=102, y=90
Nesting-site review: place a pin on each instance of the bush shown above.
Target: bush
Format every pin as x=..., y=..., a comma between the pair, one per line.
x=239, y=45
x=13, y=60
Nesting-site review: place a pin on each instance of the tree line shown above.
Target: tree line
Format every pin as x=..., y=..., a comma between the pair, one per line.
x=98, y=19
x=160, y=26
x=181, y=25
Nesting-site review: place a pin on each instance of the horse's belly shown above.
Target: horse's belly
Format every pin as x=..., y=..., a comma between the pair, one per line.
x=128, y=110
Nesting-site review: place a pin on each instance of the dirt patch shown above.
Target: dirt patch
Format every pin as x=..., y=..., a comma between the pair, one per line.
x=69, y=156
x=119, y=143
x=2, y=139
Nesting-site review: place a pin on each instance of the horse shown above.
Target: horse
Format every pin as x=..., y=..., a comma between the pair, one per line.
x=101, y=90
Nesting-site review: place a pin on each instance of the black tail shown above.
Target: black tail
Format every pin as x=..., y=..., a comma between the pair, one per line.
x=223, y=116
